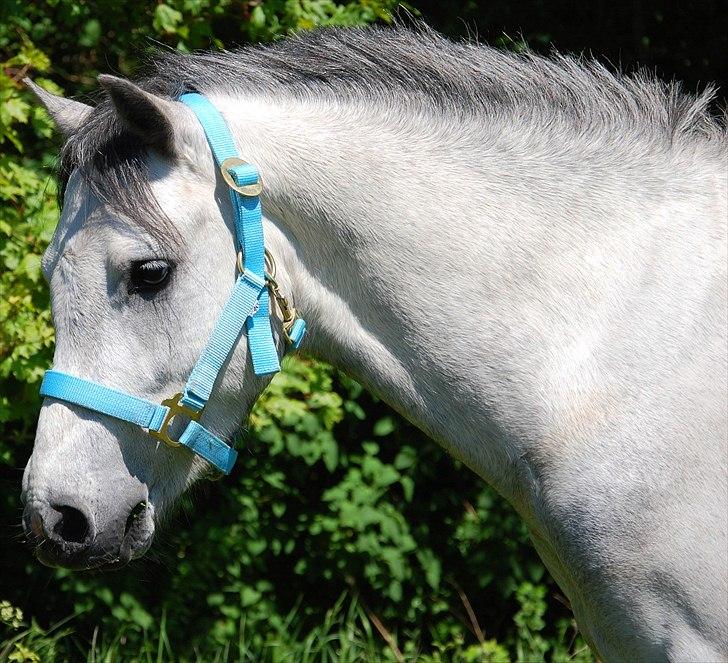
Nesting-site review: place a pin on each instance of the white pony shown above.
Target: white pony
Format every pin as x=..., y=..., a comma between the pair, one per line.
x=526, y=257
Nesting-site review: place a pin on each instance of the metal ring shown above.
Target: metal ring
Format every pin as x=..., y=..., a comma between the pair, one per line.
x=270, y=264
x=250, y=190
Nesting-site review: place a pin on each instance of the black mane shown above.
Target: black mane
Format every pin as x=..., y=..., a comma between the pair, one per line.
x=417, y=70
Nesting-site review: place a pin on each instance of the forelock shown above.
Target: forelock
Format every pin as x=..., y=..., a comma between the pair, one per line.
x=115, y=165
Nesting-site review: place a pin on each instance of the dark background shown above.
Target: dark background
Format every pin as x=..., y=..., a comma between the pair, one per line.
x=685, y=40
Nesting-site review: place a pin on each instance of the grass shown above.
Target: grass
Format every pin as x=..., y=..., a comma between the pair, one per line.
x=348, y=633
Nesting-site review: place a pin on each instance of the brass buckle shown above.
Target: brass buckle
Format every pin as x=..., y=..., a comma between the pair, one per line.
x=250, y=190
x=175, y=408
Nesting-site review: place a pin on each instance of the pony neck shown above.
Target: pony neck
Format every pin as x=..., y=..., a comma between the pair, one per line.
x=405, y=273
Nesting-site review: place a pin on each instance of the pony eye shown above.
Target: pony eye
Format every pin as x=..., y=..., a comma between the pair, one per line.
x=149, y=275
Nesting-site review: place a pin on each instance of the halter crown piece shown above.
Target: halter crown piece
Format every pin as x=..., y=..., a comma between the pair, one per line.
x=248, y=305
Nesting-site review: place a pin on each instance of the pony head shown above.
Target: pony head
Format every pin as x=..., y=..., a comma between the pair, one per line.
x=140, y=266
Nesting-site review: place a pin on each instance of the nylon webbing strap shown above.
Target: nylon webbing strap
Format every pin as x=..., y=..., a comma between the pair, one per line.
x=205, y=444
x=135, y=410
x=239, y=307
x=103, y=399
x=247, y=215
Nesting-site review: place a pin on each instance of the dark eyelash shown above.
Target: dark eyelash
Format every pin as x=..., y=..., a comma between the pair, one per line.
x=149, y=276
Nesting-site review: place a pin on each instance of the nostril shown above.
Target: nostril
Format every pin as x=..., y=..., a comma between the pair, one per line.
x=72, y=526
x=136, y=513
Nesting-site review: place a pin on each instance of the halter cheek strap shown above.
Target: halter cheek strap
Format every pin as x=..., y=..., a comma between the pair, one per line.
x=248, y=305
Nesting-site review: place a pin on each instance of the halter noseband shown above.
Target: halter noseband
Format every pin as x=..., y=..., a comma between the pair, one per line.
x=247, y=305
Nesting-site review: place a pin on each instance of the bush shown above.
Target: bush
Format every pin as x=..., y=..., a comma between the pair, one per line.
x=344, y=534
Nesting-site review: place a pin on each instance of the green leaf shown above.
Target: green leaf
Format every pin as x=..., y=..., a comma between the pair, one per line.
x=257, y=17
x=166, y=19
x=91, y=33
x=384, y=426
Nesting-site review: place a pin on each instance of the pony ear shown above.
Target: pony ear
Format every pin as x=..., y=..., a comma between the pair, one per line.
x=147, y=116
x=68, y=114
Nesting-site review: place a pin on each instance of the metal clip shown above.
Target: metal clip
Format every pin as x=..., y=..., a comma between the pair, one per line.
x=288, y=312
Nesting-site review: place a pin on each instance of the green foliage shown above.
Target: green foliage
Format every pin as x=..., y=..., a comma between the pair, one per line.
x=27, y=216
x=343, y=535
x=23, y=643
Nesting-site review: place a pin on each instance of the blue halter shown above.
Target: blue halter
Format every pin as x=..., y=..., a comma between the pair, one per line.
x=248, y=305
